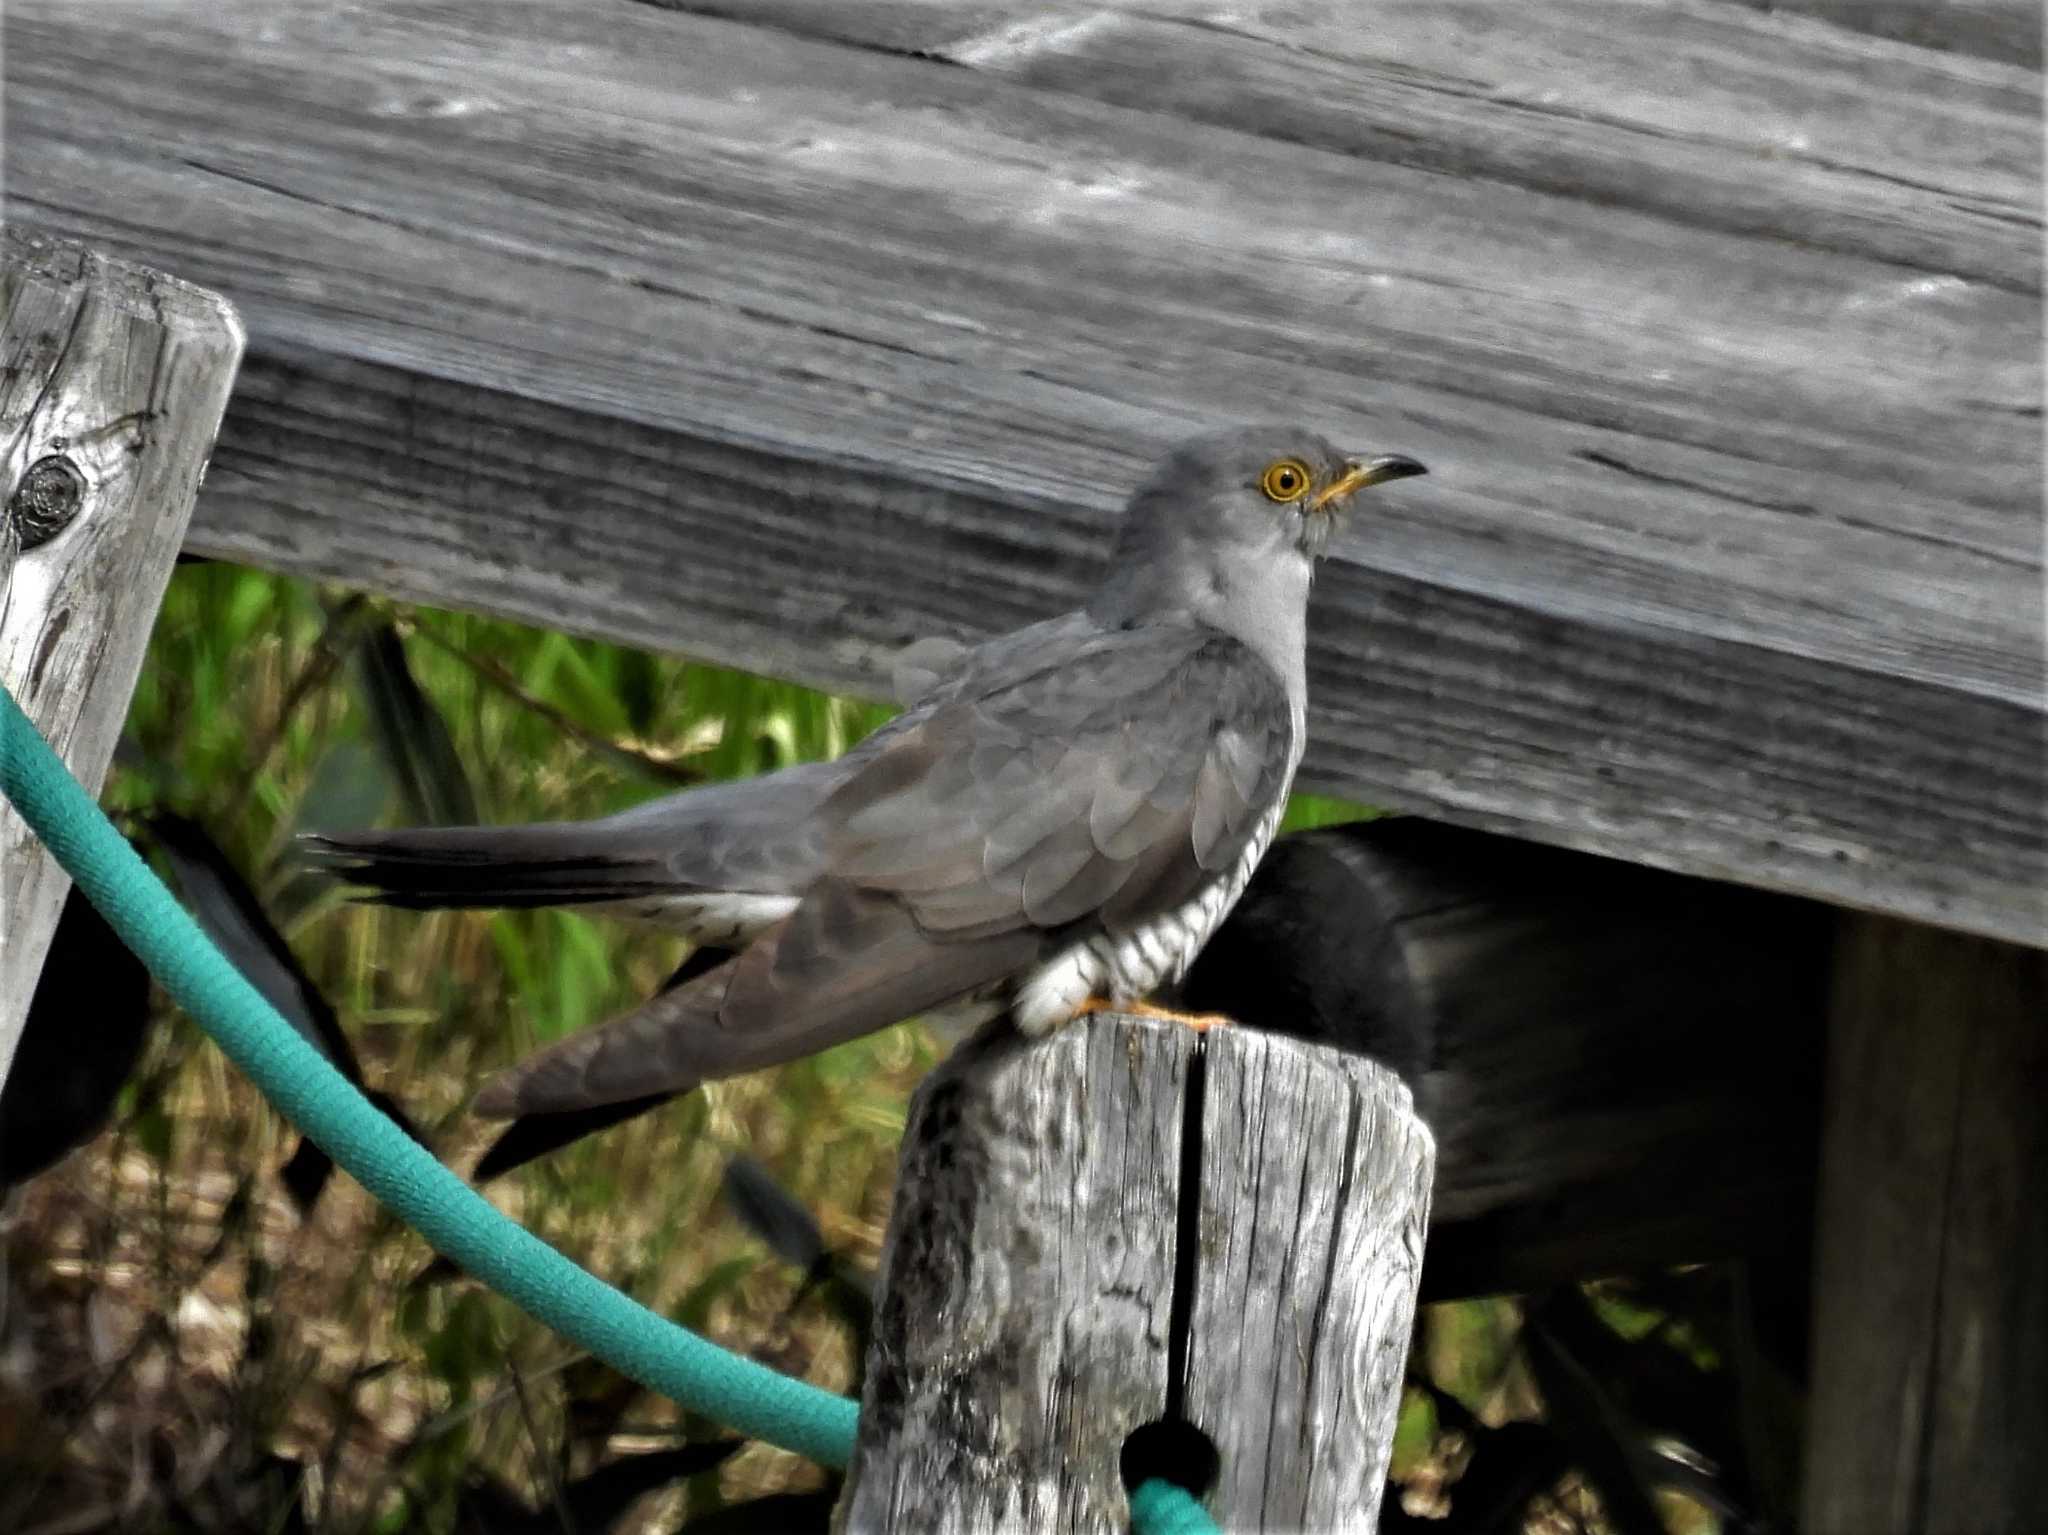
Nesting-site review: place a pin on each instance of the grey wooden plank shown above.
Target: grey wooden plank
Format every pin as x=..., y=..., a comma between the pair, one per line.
x=112, y=381
x=780, y=352
x=1927, y=1412
x=1703, y=113
x=1720, y=759
x=2006, y=30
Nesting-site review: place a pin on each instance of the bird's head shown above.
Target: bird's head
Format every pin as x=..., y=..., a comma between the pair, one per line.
x=1236, y=519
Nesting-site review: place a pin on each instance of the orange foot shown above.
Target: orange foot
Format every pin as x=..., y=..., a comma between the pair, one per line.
x=1200, y=1022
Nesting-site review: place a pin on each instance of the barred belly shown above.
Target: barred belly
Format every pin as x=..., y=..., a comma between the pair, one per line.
x=1126, y=967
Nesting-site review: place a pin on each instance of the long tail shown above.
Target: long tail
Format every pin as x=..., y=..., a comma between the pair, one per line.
x=557, y=863
x=753, y=834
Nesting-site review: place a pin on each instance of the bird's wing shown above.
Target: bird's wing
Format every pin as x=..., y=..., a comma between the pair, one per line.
x=866, y=966
x=1102, y=780
x=1108, y=781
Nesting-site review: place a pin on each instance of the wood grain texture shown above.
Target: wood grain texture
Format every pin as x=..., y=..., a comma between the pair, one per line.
x=1702, y=113
x=1927, y=1414
x=1026, y=1285
x=1621, y=1066
x=2005, y=30
x=1034, y=1280
x=782, y=349
x=1315, y=1179
x=121, y=373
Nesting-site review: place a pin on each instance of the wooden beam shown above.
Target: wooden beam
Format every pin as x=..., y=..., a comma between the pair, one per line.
x=1772, y=127
x=781, y=349
x=1130, y=1223
x=112, y=382
x=1928, y=1412
x=2006, y=30
x=1621, y=1066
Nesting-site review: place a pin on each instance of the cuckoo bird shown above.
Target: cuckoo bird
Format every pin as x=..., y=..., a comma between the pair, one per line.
x=1057, y=825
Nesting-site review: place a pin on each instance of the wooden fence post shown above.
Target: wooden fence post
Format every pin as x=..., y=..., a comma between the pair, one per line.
x=1132, y=1222
x=112, y=383
x=1929, y=1409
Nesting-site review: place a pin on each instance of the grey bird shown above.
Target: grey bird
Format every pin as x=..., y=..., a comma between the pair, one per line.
x=1056, y=826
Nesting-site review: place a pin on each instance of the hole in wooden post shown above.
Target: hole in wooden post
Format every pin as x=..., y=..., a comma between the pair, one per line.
x=1173, y=1450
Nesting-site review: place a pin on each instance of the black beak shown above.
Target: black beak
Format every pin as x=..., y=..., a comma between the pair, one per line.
x=1363, y=473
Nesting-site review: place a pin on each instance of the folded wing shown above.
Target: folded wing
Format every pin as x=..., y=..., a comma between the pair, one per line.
x=1072, y=783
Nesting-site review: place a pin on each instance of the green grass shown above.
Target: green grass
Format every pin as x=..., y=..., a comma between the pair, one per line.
x=250, y=719
x=387, y=1404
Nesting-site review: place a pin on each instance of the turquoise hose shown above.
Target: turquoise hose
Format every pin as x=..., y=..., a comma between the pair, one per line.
x=458, y=1222
x=307, y=1090
x=1161, y=1507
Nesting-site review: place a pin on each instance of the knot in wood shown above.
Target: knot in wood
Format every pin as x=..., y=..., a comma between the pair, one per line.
x=46, y=500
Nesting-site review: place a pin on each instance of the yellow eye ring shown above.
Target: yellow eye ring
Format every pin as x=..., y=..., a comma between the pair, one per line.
x=1285, y=479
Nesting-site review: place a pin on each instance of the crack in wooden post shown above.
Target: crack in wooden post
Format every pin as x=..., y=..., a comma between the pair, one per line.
x=1187, y=1235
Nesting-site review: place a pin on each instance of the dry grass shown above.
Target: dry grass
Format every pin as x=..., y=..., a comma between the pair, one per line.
x=182, y=1350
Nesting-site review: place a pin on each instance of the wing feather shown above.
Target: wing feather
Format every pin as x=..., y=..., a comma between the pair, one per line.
x=1151, y=754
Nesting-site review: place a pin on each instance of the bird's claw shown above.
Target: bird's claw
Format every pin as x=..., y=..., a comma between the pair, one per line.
x=1201, y=1023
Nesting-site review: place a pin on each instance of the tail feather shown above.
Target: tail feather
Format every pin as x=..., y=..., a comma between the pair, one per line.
x=759, y=835
x=552, y=864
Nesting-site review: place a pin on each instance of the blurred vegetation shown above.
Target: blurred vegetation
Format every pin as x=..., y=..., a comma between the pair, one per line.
x=190, y=1344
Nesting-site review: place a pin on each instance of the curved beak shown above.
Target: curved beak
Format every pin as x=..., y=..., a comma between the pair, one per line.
x=1363, y=473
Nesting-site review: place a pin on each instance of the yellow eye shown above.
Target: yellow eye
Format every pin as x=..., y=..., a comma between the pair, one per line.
x=1285, y=479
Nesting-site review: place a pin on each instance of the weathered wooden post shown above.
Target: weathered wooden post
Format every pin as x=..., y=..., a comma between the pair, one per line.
x=1929, y=1411
x=1131, y=1223
x=112, y=383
